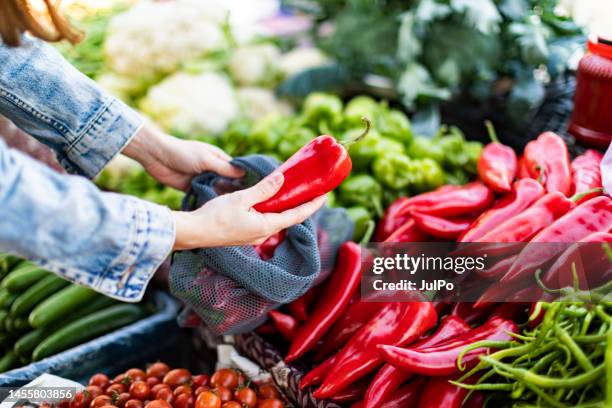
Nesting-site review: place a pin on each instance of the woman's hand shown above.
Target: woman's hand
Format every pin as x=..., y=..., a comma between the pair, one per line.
x=230, y=220
x=175, y=162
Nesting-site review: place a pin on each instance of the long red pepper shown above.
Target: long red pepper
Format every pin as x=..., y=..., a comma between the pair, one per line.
x=523, y=226
x=393, y=218
x=318, y=374
x=586, y=173
x=300, y=307
x=497, y=164
x=524, y=193
x=407, y=232
x=389, y=378
x=522, y=171
x=334, y=299
x=469, y=314
x=439, y=392
x=285, y=324
x=441, y=360
x=397, y=324
x=443, y=228
x=498, y=269
x=594, y=215
x=591, y=257
x=266, y=249
x=314, y=170
x=548, y=154
x=406, y=396
x=476, y=400
x=356, y=315
x=353, y=392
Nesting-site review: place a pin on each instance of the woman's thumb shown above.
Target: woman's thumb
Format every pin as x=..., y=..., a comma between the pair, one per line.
x=263, y=190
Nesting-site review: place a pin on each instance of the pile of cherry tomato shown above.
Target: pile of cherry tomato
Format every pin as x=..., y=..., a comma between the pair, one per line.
x=162, y=387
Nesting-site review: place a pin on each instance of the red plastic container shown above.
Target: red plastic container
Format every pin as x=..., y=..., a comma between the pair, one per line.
x=591, y=121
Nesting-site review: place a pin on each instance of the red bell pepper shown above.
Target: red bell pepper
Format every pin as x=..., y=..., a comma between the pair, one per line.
x=524, y=193
x=300, y=307
x=588, y=258
x=586, y=174
x=407, y=232
x=335, y=298
x=443, y=228
x=548, y=154
x=389, y=378
x=525, y=225
x=441, y=359
x=356, y=315
x=396, y=324
x=497, y=164
x=266, y=249
x=314, y=170
x=439, y=392
x=594, y=215
x=285, y=324
x=406, y=396
x=318, y=374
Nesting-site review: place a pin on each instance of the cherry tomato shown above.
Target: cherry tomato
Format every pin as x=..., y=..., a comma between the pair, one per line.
x=199, y=380
x=225, y=377
x=82, y=399
x=109, y=406
x=231, y=404
x=64, y=404
x=208, y=399
x=133, y=403
x=122, y=379
x=116, y=388
x=271, y=403
x=165, y=394
x=158, y=370
x=101, y=380
x=100, y=401
x=176, y=377
x=246, y=397
x=151, y=381
x=120, y=399
x=182, y=389
x=140, y=390
x=136, y=374
x=184, y=400
x=224, y=393
x=241, y=379
x=94, y=390
x=156, y=388
x=268, y=391
x=158, y=404
x=201, y=389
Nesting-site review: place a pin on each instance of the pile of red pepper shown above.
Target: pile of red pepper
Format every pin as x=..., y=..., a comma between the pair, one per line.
x=384, y=354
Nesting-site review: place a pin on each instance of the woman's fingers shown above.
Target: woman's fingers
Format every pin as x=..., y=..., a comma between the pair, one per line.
x=295, y=215
x=261, y=191
x=223, y=167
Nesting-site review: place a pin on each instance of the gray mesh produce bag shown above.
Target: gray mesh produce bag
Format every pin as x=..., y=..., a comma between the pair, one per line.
x=232, y=289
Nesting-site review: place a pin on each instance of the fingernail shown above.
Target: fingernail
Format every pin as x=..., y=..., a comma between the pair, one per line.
x=276, y=178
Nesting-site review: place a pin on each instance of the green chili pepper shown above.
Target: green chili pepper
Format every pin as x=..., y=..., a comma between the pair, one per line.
x=363, y=190
x=321, y=107
x=395, y=125
x=423, y=148
x=394, y=170
x=293, y=140
x=364, y=152
x=361, y=217
x=359, y=107
x=608, y=362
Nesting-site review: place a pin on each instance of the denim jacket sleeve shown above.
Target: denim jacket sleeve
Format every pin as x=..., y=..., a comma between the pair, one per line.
x=110, y=242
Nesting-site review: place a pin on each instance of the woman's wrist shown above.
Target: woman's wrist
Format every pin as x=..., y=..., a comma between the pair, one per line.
x=190, y=231
x=144, y=145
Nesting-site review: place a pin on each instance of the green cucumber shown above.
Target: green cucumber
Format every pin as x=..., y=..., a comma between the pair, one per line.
x=21, y=324
x=7, y=298
x=24, y=276
x=36, y=294
x=59, y=305
x=87, y=328
x=7, y=263
x=5, y=339
x=28, y=342
x=8, y=361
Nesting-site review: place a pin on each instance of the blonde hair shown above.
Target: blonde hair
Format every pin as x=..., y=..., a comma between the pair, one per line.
x=17, y=17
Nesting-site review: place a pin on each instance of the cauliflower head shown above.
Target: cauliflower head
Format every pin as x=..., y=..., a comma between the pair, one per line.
x=259, y=102
x=254, y=64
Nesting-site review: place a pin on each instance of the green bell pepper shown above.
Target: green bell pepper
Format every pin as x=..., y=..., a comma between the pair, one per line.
x=457, y=177
x=394, y=170
x=235, y=140
x=267, y=133
x=293, y=140
x=452, y=146
x=331, y=200
x=424, y=148
x=365, y=151
x=362, y=190
x=387, y=145
x=361, y=218
x=321, y=107
x=395, y=125
x=473, y=150
x=429, y=175
x=359, y=107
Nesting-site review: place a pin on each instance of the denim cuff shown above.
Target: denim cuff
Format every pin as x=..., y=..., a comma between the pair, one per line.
x=106, y=136
x=151, y=238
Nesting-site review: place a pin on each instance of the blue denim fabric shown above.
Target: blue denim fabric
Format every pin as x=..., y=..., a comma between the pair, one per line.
x=110, y=242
